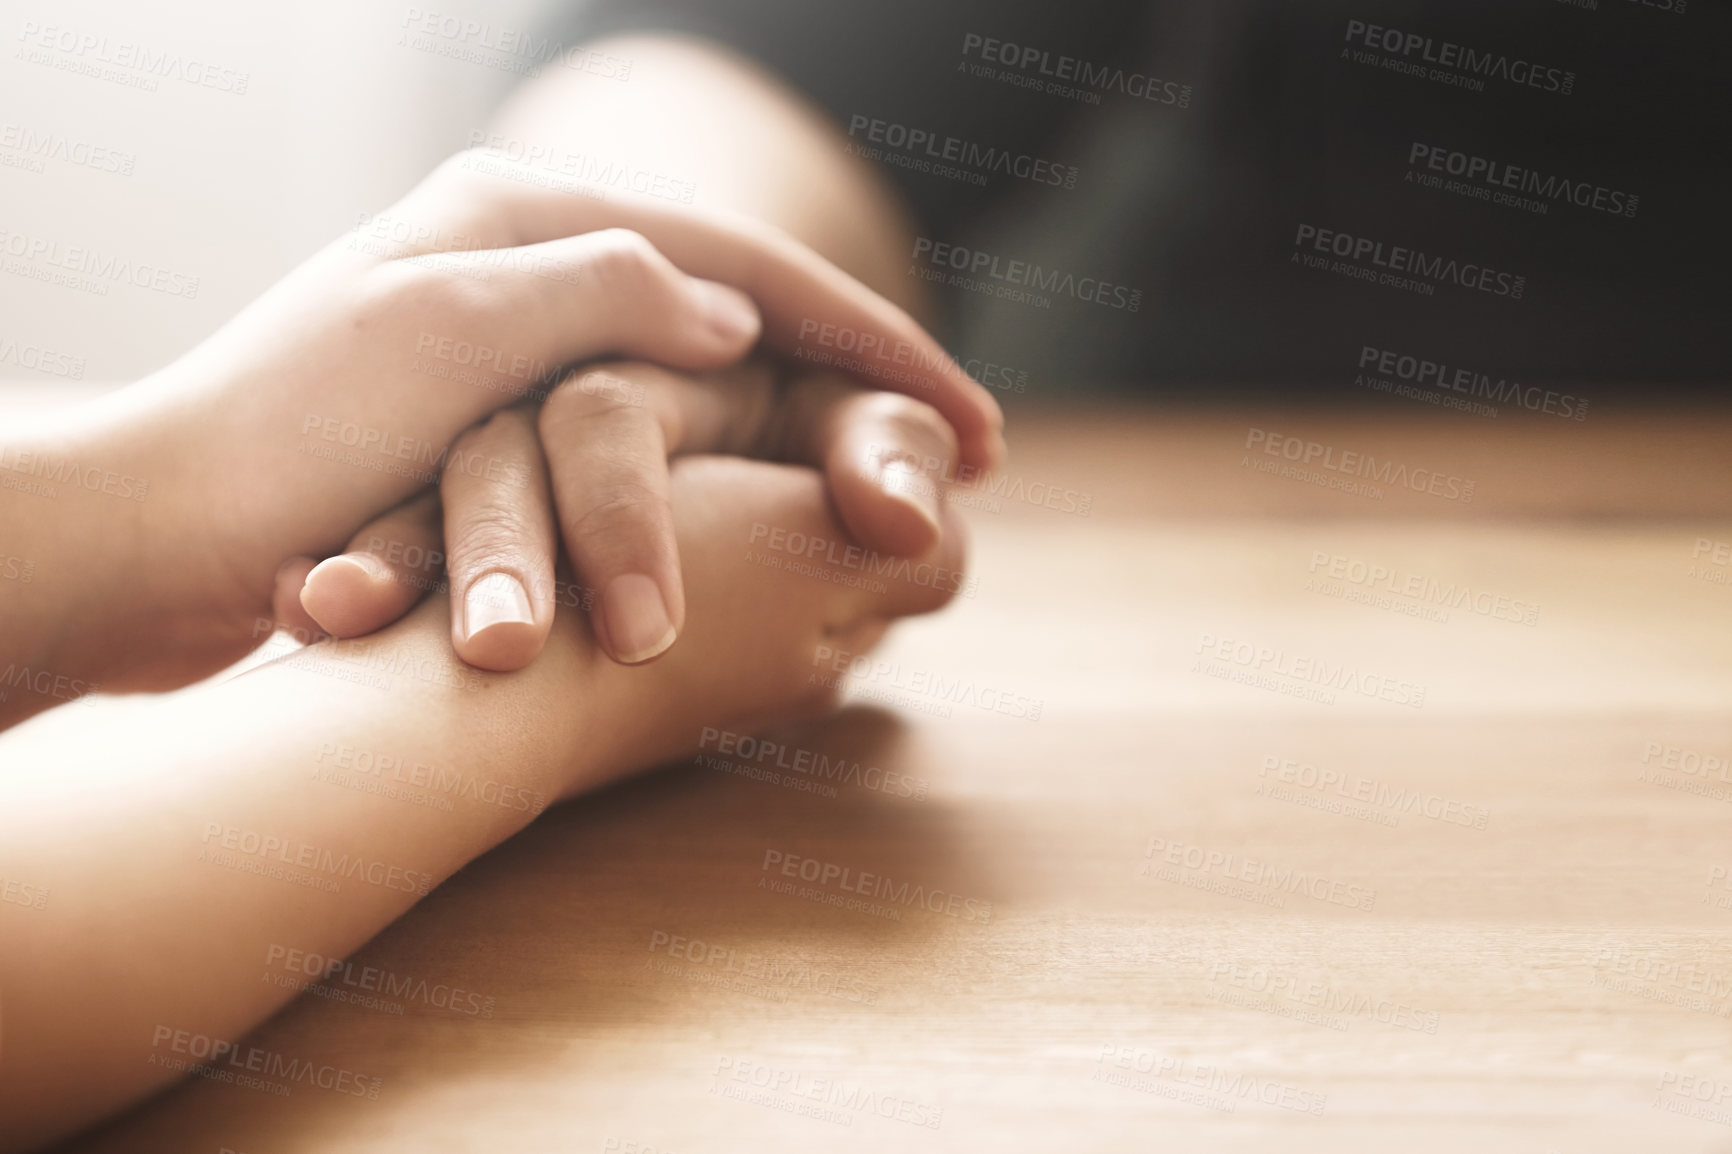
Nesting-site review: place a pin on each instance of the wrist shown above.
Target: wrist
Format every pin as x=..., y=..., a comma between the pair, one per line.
x=93, y=502
x=71, y=513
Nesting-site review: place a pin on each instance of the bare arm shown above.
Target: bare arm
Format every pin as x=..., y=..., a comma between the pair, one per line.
x=179, y=843
x=696, y=112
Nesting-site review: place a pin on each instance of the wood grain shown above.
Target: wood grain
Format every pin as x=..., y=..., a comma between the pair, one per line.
x=1534, y=955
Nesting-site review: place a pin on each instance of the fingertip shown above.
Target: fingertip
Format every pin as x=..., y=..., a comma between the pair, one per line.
x=731, y=315
x=632, y=620
x=286, y=605
x=504, y=647
x=986, y=451
x=348, y=595
x=494, y=627
x=908, y=525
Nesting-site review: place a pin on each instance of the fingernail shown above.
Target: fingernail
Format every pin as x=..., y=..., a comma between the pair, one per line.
x=730, y=311
x=496, y=599
x=901, y=480
x=368, y=566
x=637, y=619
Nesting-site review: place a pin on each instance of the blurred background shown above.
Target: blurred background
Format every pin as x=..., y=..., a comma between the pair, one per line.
x=1214, y=132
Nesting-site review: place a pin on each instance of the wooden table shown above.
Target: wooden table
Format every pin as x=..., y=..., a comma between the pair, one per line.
x=1204, y=902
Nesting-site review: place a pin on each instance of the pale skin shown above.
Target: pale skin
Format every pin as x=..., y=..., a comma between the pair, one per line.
x=344, y=356
x=140, y=830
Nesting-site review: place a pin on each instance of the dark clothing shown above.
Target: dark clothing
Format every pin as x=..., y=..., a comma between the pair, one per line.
x=1527, y=189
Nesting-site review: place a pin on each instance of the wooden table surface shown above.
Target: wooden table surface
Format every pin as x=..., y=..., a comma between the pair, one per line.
x=1211, y=911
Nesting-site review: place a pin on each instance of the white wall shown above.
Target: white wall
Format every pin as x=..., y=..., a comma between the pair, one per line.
x=339, y=115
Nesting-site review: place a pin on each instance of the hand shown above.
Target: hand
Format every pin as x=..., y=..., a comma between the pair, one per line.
x=604, y=435
x=339, y=393
x=759, y=650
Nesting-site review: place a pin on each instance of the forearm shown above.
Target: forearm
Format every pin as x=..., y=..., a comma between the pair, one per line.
x=694, y=112
x=189, y=843
x=79, y=508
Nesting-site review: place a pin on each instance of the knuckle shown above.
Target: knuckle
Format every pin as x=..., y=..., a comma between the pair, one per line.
x=488, y=535
x=916, y=420
x=473, y=440
x=595, y=391
x=624, y=263
x=616, y=507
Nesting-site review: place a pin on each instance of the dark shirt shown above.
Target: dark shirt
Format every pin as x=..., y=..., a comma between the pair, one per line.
x=1274, y=193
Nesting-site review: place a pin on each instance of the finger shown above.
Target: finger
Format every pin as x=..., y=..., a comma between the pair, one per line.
x=383, y=572
x=801, y=543
x=286, y=601
x=928, y=581
x=574, y=299
x=499, y=541
x=890, y=460
x=608, y=455
x=811, y=309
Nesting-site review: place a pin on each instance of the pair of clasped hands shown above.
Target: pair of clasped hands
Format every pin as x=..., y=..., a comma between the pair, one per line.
x=342, y=389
